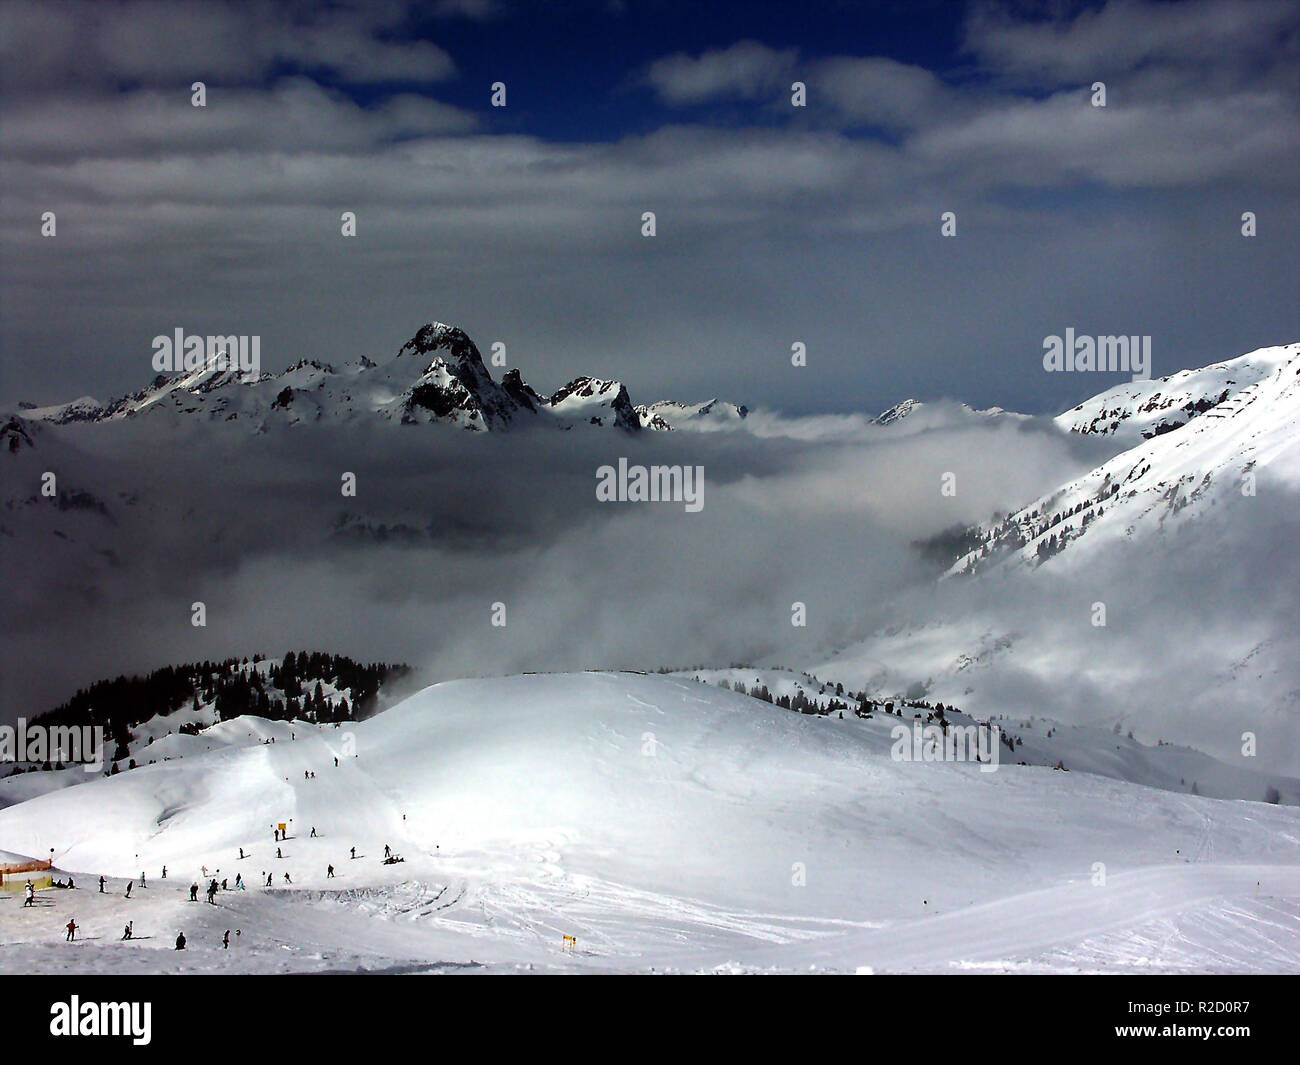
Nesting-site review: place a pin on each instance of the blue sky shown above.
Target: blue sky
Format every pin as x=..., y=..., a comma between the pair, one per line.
x=574, y=69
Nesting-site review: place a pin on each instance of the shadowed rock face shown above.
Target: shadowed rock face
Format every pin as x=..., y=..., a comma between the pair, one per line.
x=14, y=435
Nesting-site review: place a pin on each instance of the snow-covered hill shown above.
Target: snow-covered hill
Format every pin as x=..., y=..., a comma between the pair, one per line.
x=664, y=825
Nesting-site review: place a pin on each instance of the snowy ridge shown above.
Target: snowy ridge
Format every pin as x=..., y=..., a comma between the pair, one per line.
x=709, y=416
x=1171, y=478
x=1143, y=409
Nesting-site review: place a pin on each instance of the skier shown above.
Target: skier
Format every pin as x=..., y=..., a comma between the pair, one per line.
x=225, y=940
x=286, y=879
x=101, y=885
x=31, y=895
x=72, y=930
x=164, y=876
x=268, y=879
x=239, y=882
x=126, y=933
x=387, y=852
x=142, y=883
x=354, y=853
x=180, y=941
x=336, y=763
x=194, y=893
x=212, y=893
x=313, y=831
x=329, y=872
x=241, y=854
x=277, y=853
x=224, y=886
x=128, y=889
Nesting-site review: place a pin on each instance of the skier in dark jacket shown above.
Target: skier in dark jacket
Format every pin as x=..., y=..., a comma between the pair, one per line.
x=71, y=926
x=101, y=885
x=180, y=940
x=194, y=893
x=329, y=872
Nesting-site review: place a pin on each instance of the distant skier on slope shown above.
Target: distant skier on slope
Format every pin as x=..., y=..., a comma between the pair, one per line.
x=180, y=940
x=31, y=895
x=126, y=933
x=225, y=940
x=71, y=926
x=101, y=885
x=128, y=889
x=329, y=872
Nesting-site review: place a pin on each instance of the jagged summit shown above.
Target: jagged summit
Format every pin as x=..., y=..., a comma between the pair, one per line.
x=438, y=336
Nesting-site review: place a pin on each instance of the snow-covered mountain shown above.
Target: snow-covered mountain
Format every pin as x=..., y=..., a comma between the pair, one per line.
x=1249, y=428
x=438, y=376
x=1158, y=593
x=711, y=415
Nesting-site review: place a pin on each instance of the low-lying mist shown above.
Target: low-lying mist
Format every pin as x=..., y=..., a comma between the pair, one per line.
x=450, y=531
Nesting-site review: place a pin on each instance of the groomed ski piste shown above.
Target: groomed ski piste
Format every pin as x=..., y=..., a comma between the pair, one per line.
x=663, y=824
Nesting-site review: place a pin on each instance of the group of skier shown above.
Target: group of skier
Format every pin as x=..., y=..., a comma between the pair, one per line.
x=280, y=835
